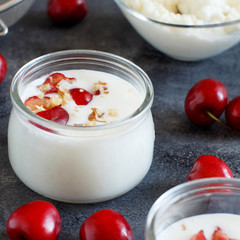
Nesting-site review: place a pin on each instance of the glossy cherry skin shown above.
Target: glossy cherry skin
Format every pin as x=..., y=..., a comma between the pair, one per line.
x=207, y=166
x=36, y=220
x=105, y=224
x=55, y=114
x=199, y=236
x=232, y=113
x=81, y=96
x=67, y=12
x=3, y=67
x=206, y=95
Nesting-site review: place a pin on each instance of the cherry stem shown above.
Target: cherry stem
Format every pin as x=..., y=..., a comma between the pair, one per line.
x=219, y=121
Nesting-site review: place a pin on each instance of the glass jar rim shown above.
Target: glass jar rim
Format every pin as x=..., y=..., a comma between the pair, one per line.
x=79, y=54
x=177, y=192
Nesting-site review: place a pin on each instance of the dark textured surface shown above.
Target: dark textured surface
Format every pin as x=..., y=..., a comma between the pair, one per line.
x=178, y=143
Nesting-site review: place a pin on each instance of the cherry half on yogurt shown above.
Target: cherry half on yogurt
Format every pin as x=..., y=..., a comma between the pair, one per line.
x=81, y=96
x=208, y=96
x=218, y=234
x=56, y=114
x=207, y=166
x=34, y=102
x=199, y=236
x=56, y=78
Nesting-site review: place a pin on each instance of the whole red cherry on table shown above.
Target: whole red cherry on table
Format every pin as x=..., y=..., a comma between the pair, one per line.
x=36, y=220
x=232, y=113
x=105, y=224
x=207, y=95
x=3, y=67
x=207, y=166
x=67, y=12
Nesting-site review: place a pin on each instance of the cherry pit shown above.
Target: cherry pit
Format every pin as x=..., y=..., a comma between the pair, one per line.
x=207, y=100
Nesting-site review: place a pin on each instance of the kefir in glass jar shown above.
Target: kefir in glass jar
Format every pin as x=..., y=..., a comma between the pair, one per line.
x=81, y=164
x=199, y=209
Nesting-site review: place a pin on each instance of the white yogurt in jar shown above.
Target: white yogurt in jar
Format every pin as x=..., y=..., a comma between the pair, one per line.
x=186, y=228
x=117, y=99
x=186, y=43
x=83, y=163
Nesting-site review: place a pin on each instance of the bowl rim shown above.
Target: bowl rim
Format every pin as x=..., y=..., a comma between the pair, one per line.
x=142, y=17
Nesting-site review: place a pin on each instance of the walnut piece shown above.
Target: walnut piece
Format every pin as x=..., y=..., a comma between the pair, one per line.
x=96, y=115
x=100, y=87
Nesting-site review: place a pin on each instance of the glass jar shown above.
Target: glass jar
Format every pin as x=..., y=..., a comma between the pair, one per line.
x=193, y=199
x=81, y=164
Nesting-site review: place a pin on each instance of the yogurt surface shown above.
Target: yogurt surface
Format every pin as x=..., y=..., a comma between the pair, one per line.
x=186, y=228
x=112, y=98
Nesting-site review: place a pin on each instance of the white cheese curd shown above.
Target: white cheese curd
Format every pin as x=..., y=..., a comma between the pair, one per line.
x=84, y=163
x=187, y=11
x=186, y=228
x=186, y=43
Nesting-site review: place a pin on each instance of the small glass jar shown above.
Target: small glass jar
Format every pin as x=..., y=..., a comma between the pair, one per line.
x=81, y=164
x=191, y=199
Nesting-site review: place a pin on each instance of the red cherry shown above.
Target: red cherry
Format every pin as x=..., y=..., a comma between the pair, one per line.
x=56, y=78
x=52, y=90
x=36, y=220
x=67, y=12
x=198, y=236
x=3, y=67
x=207, y=166
x=105, y=224
x=220, y=235
x=81, y=96
x=208, y=95
x=35, y=101
x=232, y=113
x=55, y=114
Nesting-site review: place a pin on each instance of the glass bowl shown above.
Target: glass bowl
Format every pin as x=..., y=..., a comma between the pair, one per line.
x=210, y=198
x=184, y=42
x=11, y=11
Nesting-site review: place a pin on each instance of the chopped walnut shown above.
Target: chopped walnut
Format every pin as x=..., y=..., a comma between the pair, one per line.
x=98, y=86
x=41, y=96
x=112, y=112
x=90, y=124
x=44, y=87
x=184, y=228
x=96, y=115
x=65, y=95
x=55, y=100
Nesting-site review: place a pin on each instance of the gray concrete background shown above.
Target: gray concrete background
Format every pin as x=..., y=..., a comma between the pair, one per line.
x=178, y=143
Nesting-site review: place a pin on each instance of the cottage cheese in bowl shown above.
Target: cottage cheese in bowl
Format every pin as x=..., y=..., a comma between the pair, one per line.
x=88, y=138
x=184, y=29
